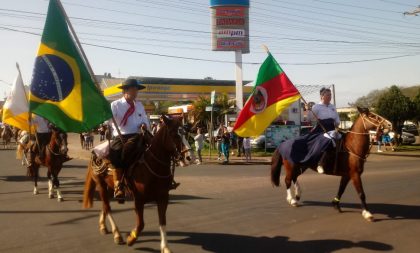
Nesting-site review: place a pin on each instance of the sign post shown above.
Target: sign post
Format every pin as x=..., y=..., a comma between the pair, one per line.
x=212, y=98
x=230, y=32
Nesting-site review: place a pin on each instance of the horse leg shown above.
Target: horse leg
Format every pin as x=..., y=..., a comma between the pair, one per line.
x=139, y=206
x=343, y=184
x=162, y=206
x=298, y=191
x=35, y=175
x=50, y=185
x=56, y=185
x=106, y=212
x=357, y=182
x=288, y=181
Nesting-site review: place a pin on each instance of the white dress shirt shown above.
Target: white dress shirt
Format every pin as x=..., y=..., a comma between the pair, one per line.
x=119, y=108
x=323, y=111
x=41, y=124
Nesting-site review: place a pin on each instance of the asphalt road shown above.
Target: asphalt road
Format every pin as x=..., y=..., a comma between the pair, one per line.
x=217, y=208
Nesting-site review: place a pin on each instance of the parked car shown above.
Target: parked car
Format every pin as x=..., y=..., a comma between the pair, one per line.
x=411, y=128
x=407, y=138
x=258, y=142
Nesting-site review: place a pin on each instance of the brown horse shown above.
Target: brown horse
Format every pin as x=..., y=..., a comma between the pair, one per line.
x=149, y=179
x=349, y=164
x=54, y=159
x=7, y=135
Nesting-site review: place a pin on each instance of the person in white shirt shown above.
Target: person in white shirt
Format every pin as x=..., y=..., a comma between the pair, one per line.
x=131, y=118
x=328, y=120
x=247, y=148
x=43, y=135
x=199, y=142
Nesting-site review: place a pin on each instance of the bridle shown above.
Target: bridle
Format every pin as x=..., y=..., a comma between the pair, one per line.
x=174, y=157
x=379, y=121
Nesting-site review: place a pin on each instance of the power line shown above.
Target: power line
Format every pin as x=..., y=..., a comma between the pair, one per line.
x=220, y=61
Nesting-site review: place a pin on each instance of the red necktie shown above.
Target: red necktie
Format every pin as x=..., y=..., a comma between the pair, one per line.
x=128, y=113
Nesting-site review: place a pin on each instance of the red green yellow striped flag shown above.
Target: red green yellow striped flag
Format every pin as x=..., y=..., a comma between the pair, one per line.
x=273, y=92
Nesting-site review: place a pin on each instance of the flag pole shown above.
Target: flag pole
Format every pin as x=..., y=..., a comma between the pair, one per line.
x=265, y=48
x=82, y=52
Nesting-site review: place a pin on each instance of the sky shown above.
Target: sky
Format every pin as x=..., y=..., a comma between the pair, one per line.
x=357, y=45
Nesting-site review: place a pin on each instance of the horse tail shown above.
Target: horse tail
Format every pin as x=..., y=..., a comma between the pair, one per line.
x=276, y=163
x=89, y=190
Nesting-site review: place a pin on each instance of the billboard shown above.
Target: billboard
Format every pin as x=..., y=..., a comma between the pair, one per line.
x=230, y=25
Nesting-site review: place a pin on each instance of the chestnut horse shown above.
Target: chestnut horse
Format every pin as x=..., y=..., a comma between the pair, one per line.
x=350, y=161
x=148, y=179
x=54, y=159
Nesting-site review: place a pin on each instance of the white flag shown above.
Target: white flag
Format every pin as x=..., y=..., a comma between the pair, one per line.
x=16, y=107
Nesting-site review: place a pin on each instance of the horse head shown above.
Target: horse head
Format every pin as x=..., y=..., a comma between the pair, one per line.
x=373, y=121
x=173, y=138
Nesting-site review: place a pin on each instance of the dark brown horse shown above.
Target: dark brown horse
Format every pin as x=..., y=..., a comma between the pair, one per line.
x=149, y=179
x=54, y=159
x=7, y=135
x=349, y=165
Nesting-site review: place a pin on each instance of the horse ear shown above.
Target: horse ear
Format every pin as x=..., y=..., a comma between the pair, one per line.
x=363, y=110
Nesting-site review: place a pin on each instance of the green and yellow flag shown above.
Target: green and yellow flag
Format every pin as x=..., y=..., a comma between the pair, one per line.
x=273, y=92
x=62, y=90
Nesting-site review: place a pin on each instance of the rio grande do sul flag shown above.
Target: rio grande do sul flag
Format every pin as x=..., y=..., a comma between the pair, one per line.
x=273, y=92
x=16, y=108
x=62, y=90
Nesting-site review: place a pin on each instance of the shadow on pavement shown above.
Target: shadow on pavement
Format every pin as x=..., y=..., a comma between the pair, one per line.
x=221, y=243
x=393, y=211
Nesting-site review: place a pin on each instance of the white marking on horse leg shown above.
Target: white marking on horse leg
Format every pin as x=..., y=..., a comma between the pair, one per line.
x=59, y=196
x=367, y=215
x=50, y=189
x=163, y=240
x=298, y=191
x=36, y=190
x=115, y=231
x=290, y=199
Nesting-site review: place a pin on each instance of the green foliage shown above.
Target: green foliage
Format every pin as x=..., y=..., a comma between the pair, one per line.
x=394, y=106
x=370, y=100
x=162, y=107
x=416, y=107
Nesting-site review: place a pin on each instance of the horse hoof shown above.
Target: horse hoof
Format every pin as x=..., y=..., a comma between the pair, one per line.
x=297, y=198
x=118, y=240
x=60, y=199
x=36, y=192
x=166, y=250
x=51, y=196
x=293, y=202
x=367, y=215
x=130, y=240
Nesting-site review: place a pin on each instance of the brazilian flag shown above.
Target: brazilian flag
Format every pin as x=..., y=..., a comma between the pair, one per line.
x=62, y=90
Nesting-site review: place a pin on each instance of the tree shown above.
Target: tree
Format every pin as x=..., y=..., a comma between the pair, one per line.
x=370, y=100
x=201, y=117
x=416, y=108
x=396, y=107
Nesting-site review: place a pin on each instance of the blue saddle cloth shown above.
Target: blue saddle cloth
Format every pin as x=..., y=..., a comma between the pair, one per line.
x=308, y=149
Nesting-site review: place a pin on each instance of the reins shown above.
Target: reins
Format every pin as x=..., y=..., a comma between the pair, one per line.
x=366, y=132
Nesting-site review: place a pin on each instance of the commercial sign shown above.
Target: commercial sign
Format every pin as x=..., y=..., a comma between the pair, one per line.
x=230, y=25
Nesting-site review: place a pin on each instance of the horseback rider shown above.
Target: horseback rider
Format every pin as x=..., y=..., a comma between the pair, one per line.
x=130, y=118
x=328, y=120
x=43, y=136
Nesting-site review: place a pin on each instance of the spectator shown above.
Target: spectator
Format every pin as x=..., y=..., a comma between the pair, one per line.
x=225, y=144
x=219, y=142
x=240, y=146
x=199, y=141
x=379, y=135
x=247, y=148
